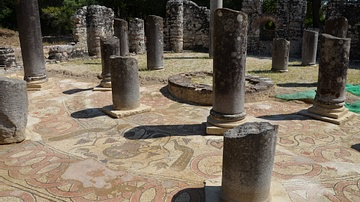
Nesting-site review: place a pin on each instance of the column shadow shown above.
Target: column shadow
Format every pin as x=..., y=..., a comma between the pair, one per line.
x=76, y=90
x=159, y=131
x=190, y=195
x=285, y=117
x=88, y=113
x=293, y=85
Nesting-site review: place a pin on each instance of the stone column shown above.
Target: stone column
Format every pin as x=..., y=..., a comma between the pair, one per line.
x=121, y=32
x=28, y=19
x=333, y=66
x=330, y=94
x=280, y=55
x=13, y=110
x=109, y=47
x=137, y=36
x=214, y=4
x=309, y=47
x=248, y=160
x=230, y=43
x=337, y=26
x=176, y=23
x=124, y=83
x=154, y=42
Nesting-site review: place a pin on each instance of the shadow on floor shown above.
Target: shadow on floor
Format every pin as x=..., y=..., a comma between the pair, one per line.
x=292, y=85
x=264, y=71
x=284, y=117
x=356, y=147
x=77, y=90
x=165, y=92
x=88, y=113
x=159, y=131
x=190, y=195
x=185, y=58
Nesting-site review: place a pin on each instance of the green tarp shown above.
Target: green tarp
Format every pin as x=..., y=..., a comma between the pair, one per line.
x=310, y=94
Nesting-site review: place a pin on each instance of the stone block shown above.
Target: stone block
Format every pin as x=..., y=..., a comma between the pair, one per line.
x=13, y=110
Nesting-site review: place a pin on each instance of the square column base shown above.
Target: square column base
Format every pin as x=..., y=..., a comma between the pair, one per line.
x=214, y=127
x=100, y=88
x=335, y=116
x=212, y=189
x=39, y=86
x=109, y=110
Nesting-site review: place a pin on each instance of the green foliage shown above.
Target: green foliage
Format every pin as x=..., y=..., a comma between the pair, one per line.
x=58, y=17
x=7, y=14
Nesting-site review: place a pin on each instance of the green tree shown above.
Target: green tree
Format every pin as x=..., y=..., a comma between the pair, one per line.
x=7, y=14
x=57, y=18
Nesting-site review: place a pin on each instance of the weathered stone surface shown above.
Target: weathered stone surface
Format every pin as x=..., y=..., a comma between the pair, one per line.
x=248, y=160
x=349, y=10
x=124, y=83
x=196, y=27
x=61, y=52
x=280, y=55
x=183, y=87
x=7, y=57
x=195, y=20
x=109, y=47
x=121, y=31
x=333, y=65
x=288, y=19
x=137, y=36
x=214, y=4
x=337, y=26
x=13, y=110
x=32, y=52
x=230, y=37
x=90, y=24
x=175, y=15
x=309, y=47
x=154, y=42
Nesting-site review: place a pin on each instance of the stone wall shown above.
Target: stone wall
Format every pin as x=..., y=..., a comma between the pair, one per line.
x=7, y=58
x=350, y=10
x=195, y=21
x=288, y=19
x=196, y=26
x=90, y=24
x=289, y=24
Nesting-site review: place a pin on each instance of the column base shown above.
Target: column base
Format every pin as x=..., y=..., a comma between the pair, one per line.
x=44, y=84
x=218, y=127
x=311, y=65
x=280, y=70
x=156, y=68
x=212, y=189
x=103, y=86
x=109, y=110
x=337, y=115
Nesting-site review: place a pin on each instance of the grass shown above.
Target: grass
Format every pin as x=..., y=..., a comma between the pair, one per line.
x=175, y=63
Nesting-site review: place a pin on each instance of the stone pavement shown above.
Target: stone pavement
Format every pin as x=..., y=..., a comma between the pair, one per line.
x=74, y=152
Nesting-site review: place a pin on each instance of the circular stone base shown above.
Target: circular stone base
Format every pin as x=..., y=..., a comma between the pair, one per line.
x=196, y=87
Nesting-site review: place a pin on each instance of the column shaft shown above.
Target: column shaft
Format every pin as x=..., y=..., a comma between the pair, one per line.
x=28, y=19
x=154, y=42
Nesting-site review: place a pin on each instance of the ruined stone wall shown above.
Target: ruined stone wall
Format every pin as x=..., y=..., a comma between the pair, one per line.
x=350, y=10
x=7, y=58
x=195, y=22
x=196, y=26
x=289, y=24
x=90, y=24
x=292, y=15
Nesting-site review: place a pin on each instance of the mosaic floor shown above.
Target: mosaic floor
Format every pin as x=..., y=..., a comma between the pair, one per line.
x=74, y=152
